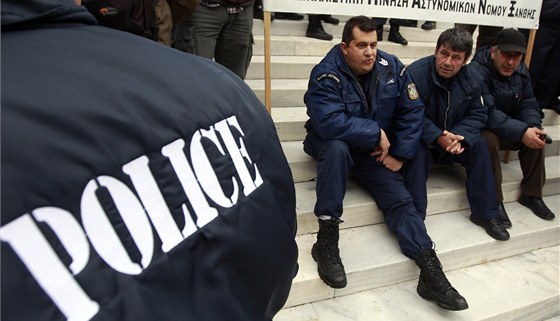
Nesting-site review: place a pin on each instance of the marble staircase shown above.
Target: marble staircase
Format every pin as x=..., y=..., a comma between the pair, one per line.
x=513, y=280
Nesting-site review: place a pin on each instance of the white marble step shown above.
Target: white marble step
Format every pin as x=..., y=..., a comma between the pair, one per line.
x=372, y=258
x=304, y=168
x=302, y=46
x=289, y=67
x=446, y=193
x=523, y=287
x=289, y=122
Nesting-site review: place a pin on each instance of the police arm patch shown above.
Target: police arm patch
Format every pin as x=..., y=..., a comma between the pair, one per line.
x=412, y=91
x=323, y=76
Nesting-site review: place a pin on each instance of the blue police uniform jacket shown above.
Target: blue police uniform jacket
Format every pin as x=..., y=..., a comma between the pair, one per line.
x=457, y=107
x=338, y=108
x=512, y=107
x=132, y=188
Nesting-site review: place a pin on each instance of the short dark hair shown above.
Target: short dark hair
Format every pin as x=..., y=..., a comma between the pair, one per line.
x=456, y=39
x=364, y=23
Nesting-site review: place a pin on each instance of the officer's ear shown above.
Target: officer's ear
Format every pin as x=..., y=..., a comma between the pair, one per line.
x=344, y=48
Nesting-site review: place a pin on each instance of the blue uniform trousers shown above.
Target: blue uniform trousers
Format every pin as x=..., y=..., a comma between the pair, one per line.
x=336, y=161
x=480, y=185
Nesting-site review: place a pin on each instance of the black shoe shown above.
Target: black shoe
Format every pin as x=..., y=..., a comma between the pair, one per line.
x=325, y=252
x=288, y=16
x=537, y=205
x=502, y=215
x=493, y=227
x=395, y=36
x=318, y=33
x=433, y=284
x=428, y=25
x=410, y=23
x=330, y=19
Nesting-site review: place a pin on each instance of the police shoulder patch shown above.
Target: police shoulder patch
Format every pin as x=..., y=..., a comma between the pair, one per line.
x=412, y=91
x=323, y=76
x=402, y=72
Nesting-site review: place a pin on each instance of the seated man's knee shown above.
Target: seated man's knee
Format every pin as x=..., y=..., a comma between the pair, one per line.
x=335, y=149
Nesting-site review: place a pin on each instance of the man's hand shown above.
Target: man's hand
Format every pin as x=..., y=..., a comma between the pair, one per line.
x=534, y=138
x=382, y=148
x=451, y=142
x=392, y=163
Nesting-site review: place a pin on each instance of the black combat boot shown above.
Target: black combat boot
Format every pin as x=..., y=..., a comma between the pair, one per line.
x=325, y=252
x=434, y=286
x=395, y=35
x=315, y=29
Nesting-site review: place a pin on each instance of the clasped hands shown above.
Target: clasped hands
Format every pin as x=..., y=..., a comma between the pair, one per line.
x=451, y=143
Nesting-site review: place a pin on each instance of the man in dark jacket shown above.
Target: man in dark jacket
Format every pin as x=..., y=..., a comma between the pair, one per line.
x=131, y=189
x=455, y=115
x=514, y=118
x=365, y=118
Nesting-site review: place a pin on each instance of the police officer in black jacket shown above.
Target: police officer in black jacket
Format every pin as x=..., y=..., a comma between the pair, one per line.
x=131, y=189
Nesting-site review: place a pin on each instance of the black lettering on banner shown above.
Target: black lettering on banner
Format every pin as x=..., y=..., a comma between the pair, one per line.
x=513, y=2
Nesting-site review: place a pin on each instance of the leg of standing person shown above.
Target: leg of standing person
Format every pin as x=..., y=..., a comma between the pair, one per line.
x=545, y=68
x=199, y=33
x=315, y=28
x=380, y=22
x=395, y=33
x=333, y=165
x=486, y=35
x=234, y=45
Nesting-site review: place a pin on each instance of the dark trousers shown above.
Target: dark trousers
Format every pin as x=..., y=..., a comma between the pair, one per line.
x=393, y=22
x=531, y=161
x=215, y=34
x=481, y=192
x=336, y=161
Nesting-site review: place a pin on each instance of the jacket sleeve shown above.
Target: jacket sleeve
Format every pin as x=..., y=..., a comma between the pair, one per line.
x=475, y=118
x=510, y=127
x=528, y=110
x=327, y=110
x=408, y=120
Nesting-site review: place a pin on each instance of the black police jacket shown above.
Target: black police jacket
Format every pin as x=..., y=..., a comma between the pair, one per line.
x=138, y=182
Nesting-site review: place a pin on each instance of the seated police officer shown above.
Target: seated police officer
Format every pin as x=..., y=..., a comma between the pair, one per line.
x=514, y=118
x=455, y=115
x=365, y=120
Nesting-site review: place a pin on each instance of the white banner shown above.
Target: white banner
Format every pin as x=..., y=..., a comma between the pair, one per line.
x=506, y=13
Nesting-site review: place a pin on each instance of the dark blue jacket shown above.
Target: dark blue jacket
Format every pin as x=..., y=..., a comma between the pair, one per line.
x=512, y=107
x=458, y=109
x=338, y=107
x=132, y=189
